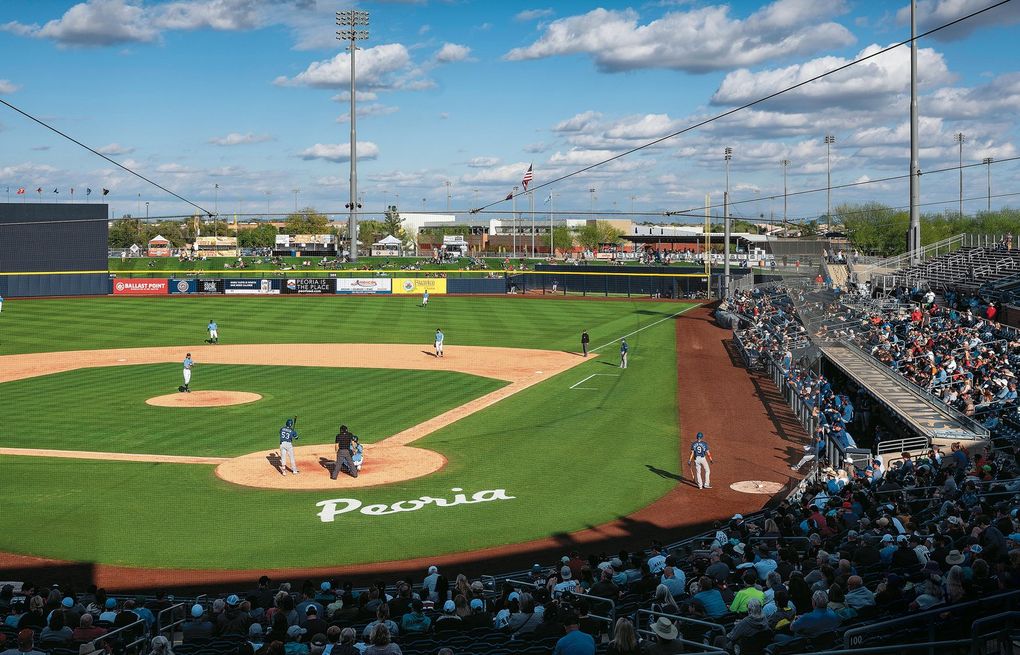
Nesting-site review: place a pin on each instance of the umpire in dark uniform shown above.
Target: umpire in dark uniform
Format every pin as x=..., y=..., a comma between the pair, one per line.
x=343, y=454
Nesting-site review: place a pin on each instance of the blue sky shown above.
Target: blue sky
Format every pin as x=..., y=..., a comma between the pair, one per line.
x=252, y=95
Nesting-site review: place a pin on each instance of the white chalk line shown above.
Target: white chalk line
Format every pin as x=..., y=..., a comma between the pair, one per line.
x=645, y=327
x=611, y=375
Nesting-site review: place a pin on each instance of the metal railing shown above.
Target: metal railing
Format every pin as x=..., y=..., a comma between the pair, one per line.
x=122, y=633
x=707, y=628
x=927, y=619
x=165, y=621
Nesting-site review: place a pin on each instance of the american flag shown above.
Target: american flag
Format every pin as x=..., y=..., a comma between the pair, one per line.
x=527, y=177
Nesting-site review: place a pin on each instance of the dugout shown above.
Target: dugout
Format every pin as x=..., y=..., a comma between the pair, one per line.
x=53, y=249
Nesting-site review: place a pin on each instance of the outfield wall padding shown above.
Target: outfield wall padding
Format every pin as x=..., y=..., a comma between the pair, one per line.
x=475, y=285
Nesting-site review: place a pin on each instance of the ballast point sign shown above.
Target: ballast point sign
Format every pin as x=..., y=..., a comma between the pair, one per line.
x=140, y=287
x=337, y=506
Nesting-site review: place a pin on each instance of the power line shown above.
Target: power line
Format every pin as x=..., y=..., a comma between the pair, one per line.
x=750, y=104
x=99, y=154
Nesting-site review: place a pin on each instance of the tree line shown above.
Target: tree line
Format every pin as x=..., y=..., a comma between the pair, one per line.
x=877, y=229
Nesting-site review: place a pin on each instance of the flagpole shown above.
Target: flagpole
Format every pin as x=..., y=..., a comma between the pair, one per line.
x=552, y=248
x=513, y=220
x=532, y=204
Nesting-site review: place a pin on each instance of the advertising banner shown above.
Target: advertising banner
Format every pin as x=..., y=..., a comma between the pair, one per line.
x=364, y=285
x=196, y=286
x=250, y=287
x=140, y=287
x=419, y=285
x=183, y=286
x=308, y=285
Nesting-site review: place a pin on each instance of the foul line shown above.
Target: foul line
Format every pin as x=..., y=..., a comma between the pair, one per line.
x=608, y=375
x=645, y=328
x=585, y=380
x=115, y=457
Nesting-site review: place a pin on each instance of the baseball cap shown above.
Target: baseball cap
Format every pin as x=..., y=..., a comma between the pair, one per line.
x=325, y=586
x=1014, y=537
x=565, y=573
x=111, y=603
x=197, y=610
x=255, y=630
x=565, y=559
x=295, y=631
x=233, y=600
x=433, y=569
x=67, y=602
x=312, y=609
x=449, y=606
x=536, y=568
x=887, y=539
x=477, y=604
x=319, y=639
x=737, y=517
x=512, y=596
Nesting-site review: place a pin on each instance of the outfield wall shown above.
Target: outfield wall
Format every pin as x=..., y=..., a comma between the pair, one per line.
x=53, y=249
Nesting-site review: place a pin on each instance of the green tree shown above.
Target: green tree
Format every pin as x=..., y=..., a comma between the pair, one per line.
x=563, y=238
x=306, y=221
x=126, y=231
x=600, y=232
x=260, y=236
x=370, y=232
x=393, y=224
x=172, y=231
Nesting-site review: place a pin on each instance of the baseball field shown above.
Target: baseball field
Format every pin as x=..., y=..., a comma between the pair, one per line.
x=512, y=436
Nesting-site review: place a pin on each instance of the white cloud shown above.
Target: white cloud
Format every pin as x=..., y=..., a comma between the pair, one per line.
x=483, y=162
x=933, y=13
x=647, y=127
x=236, y=139
x=99, y=23
x=859, y=86
x=535, y=148
x=579, y=157
x=1000, y=98
x=387, y=66
x=508, y=173
x=339, y=152
x=367, y=110
x=451, y=52
x=359, y=95
x=6, y=86
x=114, y=149
x=529, y=15
x=697, y=41
x=578, y=122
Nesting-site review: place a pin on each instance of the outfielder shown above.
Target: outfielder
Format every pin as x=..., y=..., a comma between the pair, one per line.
x=425, y=298
x=214, y=335
x=1, y=303
x=287, y=436
x=439, y=342
x=699, y=460
x=188, y=363
x=623, y=353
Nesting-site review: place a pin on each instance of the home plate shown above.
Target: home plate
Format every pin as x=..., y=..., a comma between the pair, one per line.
x=757, y=487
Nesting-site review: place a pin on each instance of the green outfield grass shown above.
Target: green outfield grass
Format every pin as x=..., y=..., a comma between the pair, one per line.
x=112, y=416
x=570, y=458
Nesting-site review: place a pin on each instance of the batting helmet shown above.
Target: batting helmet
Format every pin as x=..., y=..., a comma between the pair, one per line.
x=700, y=436
x=290, y=423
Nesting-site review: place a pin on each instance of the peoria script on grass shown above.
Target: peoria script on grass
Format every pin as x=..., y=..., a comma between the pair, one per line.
x=336, y=506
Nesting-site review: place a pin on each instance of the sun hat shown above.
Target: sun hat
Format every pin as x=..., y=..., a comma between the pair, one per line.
x=955, y=557
x=197, y=610
x=664, y=628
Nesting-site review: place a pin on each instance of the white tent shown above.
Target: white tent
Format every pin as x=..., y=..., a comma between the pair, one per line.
x=387, y=246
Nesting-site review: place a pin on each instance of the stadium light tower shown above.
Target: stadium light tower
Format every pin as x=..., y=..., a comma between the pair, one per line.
x=959, y=138
x=987, y=161
x=784, y=163
x=727, y=156
x=350, y=20
x=829, y=140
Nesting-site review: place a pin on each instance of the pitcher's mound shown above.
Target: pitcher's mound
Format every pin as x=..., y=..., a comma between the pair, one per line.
x=204, y=399
x=384, y=464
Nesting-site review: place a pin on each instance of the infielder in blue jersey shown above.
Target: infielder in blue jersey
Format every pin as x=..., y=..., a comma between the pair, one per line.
x=439, y=342
x=699, y=460
x=287, y=436
x=188, y=363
